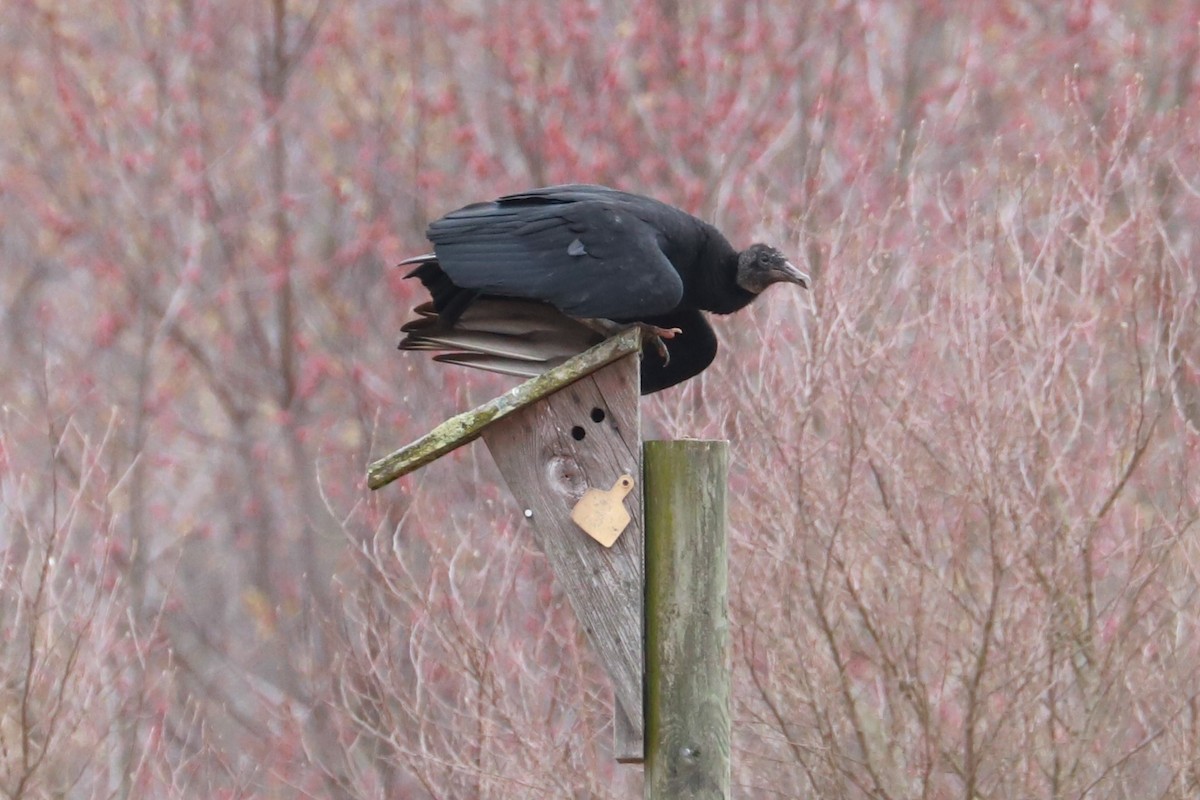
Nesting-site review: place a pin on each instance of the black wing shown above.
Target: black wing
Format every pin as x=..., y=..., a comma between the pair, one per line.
x=577, y=248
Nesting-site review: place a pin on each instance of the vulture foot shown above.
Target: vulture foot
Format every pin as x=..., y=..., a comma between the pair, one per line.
x=653, y=334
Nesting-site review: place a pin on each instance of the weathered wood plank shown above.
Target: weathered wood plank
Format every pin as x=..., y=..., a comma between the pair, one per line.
x=629, y=743
x=687, y=621
x=583, y=437
x=468, y=426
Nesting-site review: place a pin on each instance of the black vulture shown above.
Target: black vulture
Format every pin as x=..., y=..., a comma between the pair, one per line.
x=522, y=283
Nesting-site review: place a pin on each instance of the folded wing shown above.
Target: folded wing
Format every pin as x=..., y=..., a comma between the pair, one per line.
x=587, y=258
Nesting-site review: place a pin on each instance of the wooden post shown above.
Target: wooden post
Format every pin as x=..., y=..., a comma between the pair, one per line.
x=688, y=722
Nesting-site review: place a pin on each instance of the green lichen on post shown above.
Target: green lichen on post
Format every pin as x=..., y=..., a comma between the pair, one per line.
x=468, y=426
x=688, y=679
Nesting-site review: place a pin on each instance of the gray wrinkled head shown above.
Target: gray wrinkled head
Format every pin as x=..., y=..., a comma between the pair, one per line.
x=760, y=265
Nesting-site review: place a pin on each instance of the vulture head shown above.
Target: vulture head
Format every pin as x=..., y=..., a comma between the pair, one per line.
x=760, y=265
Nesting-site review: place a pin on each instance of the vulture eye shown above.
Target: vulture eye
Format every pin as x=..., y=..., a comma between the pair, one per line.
x=764, y=259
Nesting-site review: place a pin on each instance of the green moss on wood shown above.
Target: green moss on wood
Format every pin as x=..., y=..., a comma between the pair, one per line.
x=688, y=680
x=466, y=427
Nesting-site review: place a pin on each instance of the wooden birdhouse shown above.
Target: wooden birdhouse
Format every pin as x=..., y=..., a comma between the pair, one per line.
x=568, y=444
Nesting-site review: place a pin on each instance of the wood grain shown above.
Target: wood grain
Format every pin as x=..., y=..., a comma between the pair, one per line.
x=687, y=621
x=586, y=436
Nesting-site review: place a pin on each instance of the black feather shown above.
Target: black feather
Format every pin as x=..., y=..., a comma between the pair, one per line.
x=585, y=252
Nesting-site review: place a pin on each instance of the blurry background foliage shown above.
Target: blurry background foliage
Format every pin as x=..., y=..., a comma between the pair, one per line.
x=963, y=500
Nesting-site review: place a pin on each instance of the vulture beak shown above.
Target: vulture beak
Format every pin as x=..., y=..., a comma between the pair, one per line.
x=790, y=273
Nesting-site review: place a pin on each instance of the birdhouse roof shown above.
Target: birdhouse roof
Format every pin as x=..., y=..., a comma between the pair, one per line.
x=470, y=425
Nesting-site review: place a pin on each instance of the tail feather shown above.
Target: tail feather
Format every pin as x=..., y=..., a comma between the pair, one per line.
x=509, y=336
x=503, y=366
x=424, y=258
x=448, y=300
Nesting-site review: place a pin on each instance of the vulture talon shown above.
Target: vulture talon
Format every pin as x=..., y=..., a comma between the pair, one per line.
x=661, y=333
x=660, y=347
x=655, y=336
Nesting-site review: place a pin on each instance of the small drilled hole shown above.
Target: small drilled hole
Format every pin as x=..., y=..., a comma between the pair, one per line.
x=597, y=415
x=577, y=433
